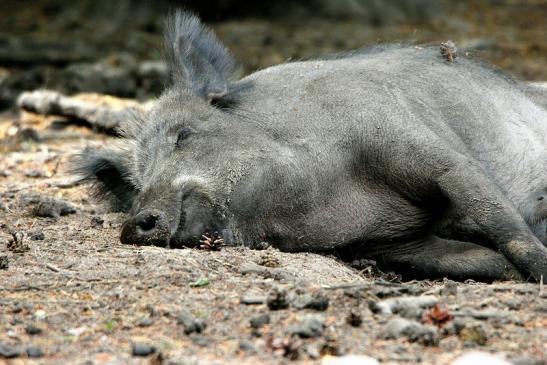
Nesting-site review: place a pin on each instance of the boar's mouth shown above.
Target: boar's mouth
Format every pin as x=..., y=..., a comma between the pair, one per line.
x=181, y=225
x=198, y=218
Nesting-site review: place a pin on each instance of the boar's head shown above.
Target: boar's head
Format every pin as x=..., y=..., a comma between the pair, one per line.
x=178, y=163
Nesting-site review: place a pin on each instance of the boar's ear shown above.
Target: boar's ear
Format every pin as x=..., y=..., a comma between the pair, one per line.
x=196, y=57
x=108, y=171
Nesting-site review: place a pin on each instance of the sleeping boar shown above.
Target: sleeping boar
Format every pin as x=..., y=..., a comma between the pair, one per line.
x=433, y=167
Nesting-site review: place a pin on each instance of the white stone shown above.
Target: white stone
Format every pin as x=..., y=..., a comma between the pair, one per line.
x=349, y=360
x=480, y=358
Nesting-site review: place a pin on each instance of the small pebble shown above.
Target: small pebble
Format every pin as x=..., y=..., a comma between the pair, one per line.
x=252, y=299
x=151, y=310
x=33, y=330
x=28, y=134
x=459, y=324
x=450, y=288
x=97, y=221
x=190, y=323
x=20, y=306
x=252, y=268
x=145, y=322
x=37, y=235
x=76, y=332
x=476, y=357
x=330, y=346
x=40, y=314
x=35, y=173
x=525, y=360
x=310, y=326
x=47, y=206
x=473, y=333
x=354, y=319
x=384, y=293
x=349, y=360
x=16, y=321
x=34, y=351
x=312, y=351
x=413, y=330
x=513, y=304
x=317, y=302
x=200, y=340
x=142, y=349
x=4, y=262
x=9, y=351
x=406, y=306
x=247, y=346
x=260, y=320
x=277, y=299
x=483, y=314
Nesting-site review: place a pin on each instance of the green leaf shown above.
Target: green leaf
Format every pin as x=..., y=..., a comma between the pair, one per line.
x=201, y=282
x=110, y=324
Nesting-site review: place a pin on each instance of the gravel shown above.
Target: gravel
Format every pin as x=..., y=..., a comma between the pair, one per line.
x=413, y=330
x=473, y=333
x=310, y=326
x=142, y=349
x=354, y=319
x=9, y=351
x=47, y=206
x=277, y=299
x=4, y=262
x=249, y=299
x=406, y=306
x=145, y=322
x=107, y=265
x=37, y=235
x=260, y=320
x=34, y=352
x=350, y=360
x=33, y=330
x=317, y=301
x=190, y=323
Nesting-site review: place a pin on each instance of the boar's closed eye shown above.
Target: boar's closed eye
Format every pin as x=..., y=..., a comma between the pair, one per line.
x=183, y=134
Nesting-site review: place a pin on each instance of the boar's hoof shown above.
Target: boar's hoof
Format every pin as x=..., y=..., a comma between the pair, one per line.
x=148, y=228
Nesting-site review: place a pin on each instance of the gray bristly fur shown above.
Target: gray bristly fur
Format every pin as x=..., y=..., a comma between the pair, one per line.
x=433, y=168
x=109, y=172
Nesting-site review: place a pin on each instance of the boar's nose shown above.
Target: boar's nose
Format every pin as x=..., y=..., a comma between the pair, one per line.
x=148, y=227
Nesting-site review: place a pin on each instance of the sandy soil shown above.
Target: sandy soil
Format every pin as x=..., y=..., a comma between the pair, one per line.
x=70, y=293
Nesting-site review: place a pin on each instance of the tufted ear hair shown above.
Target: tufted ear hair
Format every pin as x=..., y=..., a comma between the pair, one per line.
x=108, y=171
x=196, y=58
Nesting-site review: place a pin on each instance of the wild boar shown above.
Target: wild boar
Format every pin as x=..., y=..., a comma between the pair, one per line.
x=433, y=167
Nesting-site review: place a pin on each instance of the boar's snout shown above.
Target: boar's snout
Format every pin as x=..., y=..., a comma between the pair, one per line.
x=148, y=227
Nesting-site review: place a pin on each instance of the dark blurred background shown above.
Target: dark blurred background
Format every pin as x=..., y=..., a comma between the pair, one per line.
x=114, y=47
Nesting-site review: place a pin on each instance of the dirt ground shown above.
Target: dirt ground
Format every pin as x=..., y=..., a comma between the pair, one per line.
x=70, y=293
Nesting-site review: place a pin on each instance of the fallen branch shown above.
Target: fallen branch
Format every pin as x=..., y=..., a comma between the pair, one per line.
x=104, y=113
x=26, y=288
x=53, y=268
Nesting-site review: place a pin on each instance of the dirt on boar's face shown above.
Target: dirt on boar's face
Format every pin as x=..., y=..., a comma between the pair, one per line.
x=367, y=152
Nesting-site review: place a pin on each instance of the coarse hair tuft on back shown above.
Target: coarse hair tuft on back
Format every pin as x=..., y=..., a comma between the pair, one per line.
x=196, y=58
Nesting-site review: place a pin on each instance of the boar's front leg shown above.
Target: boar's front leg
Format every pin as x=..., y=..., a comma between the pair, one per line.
x=435, y=257
x=470, y=190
